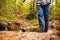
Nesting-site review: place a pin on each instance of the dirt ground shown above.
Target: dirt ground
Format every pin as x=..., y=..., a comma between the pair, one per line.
x=19, y=35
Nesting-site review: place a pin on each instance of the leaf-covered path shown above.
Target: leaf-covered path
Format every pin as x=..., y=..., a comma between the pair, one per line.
x=14, y=35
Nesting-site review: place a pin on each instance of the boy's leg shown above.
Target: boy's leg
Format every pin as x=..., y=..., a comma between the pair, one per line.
x=40, y=17
x=46, y=16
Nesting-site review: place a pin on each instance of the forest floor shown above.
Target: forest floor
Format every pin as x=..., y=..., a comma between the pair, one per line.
x=19, y=35
x=52, y=34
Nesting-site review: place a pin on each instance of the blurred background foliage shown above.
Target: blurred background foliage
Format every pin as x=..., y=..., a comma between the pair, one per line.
x=55, y=10
x=11, y=10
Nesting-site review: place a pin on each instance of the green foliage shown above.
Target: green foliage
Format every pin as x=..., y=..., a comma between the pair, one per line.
x=7, y=10
x=31, y=16
x=12, y=9
x=55, y=11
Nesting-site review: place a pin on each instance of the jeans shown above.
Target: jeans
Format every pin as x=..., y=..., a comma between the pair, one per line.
x=43, y=16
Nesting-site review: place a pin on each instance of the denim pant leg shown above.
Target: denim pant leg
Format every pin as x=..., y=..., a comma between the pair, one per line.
x=46, y=15
x=40, y=17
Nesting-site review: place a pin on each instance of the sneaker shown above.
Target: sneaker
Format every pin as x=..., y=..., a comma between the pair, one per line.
x=45, y=30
